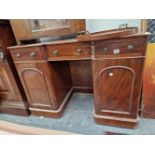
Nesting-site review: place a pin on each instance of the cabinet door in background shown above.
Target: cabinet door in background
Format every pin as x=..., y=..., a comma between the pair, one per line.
x=8, y=86
x=25, y=29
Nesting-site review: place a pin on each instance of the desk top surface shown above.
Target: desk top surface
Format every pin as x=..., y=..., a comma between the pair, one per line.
x=74, y=40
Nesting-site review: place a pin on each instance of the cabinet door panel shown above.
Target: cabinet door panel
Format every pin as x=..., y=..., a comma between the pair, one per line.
x=8, y=87
x=117, y=85
x=35, y=85
x=119, y=82
x=25, y=29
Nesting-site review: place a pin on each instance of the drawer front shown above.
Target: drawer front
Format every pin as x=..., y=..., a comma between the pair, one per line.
x=32, y=53
x=121, y=46
x=73, y=50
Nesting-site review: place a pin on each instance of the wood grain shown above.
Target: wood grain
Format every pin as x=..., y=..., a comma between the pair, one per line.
x=81, y=74
x=23, y=31
x=148, y=108
x=8, y=128
x=33, y=53
x=12, y=97
x=107, y=34
x=117, y=85
x=116, y=78
x=68, y=51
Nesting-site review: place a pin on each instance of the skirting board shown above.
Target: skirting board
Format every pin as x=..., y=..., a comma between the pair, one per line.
x=52, y=113
x=14, y=107
x=115, y=121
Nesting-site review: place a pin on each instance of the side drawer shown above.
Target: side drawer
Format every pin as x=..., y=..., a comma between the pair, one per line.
x=68, y=51
x=27, y=53
x=121, y=46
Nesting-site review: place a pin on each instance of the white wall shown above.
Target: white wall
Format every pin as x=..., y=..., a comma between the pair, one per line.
x=94, y=25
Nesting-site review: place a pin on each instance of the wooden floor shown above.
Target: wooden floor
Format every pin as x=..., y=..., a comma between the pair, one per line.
x=6, y=133
x=7, y=128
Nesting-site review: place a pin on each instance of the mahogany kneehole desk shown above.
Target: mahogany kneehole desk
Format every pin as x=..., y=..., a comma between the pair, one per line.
x=110, y=69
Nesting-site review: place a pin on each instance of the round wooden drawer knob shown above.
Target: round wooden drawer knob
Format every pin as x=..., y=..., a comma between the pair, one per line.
x=18, y=55
x=33, y=54
x=55, y=52
x=130, y=47
x=105, y=49
x=78, y=51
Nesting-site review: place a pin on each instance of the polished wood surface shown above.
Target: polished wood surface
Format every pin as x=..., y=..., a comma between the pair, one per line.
x=108, y=34
x=68, y=51
x=117, y=73
x=23, y=30
x=148, y=106
x=117, y=85
x=81, y=74
x=69, y=41
x=12, y=96
x=8, y=87
x=9, y=128
x=44, y=85
x=128, y=45
x=59, y=73
x=33, y=53
x=114, y=121
x=34, y=82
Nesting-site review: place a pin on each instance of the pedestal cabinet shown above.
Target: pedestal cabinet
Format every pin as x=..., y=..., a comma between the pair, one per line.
x=12, y=97
x=47, y=84
x=118, y=80
x=117, y=84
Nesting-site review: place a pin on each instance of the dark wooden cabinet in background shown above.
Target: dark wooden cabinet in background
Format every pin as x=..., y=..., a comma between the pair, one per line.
x=12, y=97
x=8, y=87
x=148, y=106
x=25, y=29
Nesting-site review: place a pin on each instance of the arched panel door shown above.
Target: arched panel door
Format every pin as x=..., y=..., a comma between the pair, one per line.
x=35, y=85
x=8, y=87
x=116, y=84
